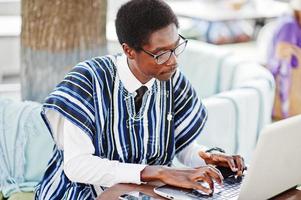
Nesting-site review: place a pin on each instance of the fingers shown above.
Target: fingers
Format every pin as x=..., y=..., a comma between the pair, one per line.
x=225, y=160
x=240, y=164
x=209, y=180
x=207, y=174
x=204, y=177
x=216, y=175
x=198, y=186
x=231, y=163
x=236, y=163
x=189, y=178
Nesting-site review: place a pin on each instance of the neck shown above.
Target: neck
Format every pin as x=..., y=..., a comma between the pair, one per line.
x=143, y=78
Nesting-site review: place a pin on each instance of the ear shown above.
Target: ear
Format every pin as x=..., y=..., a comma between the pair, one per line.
x=129, y=51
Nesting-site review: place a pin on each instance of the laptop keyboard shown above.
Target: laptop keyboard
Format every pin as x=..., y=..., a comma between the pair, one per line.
x=230, y=189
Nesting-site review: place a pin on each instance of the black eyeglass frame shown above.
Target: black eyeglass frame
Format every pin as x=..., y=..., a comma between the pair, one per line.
x=170, y=50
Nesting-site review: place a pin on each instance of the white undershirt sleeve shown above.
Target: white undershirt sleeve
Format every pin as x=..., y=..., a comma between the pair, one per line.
x=80, y=165
x=189, y=155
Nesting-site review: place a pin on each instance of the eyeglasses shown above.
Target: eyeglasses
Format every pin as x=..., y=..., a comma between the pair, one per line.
x=165, y=56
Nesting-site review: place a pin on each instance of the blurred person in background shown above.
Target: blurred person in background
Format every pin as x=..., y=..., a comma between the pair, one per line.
x=284, y=60
x=222, y=32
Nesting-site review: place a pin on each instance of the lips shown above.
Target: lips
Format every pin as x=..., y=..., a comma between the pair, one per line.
x=170, y=71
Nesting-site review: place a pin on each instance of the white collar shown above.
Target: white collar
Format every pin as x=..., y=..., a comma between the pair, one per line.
x=130, y=82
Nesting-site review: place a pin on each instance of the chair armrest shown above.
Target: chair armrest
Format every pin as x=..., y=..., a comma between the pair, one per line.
x=241, y=113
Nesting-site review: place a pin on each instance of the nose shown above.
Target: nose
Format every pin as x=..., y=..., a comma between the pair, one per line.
x=173, y=60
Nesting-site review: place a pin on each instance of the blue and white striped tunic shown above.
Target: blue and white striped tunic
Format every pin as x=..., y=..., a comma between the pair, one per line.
x=93, y=98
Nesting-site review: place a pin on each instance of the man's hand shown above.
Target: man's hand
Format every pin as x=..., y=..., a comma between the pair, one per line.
x=236, y=162
x=184, y=178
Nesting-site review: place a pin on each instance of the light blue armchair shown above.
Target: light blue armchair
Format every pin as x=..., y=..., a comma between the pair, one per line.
x=25, y=148
x=238, y=94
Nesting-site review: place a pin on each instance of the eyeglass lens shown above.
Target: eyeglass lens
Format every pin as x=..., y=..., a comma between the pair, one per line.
x=177, y=51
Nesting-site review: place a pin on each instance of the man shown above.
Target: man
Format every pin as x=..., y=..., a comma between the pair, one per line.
x=285, y=55
x=123, y=118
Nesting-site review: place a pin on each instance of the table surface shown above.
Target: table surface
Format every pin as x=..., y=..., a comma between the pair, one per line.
x=115, y=191
x=211, y=13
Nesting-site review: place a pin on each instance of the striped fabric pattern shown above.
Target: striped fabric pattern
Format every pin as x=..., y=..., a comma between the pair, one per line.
x=93, y=98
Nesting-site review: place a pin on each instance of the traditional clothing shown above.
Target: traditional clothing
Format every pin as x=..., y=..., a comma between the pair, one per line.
x=289, y=31
x=93, y=98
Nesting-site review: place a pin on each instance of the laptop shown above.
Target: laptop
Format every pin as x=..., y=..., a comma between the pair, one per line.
x=274, y=168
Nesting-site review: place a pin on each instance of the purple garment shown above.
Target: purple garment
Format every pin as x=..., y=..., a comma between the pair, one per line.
x=288, y=30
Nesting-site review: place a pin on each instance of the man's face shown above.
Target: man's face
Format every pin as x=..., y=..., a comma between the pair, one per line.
x=159, y=42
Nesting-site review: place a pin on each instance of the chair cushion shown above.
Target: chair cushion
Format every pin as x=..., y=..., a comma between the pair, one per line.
x=22, y=196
